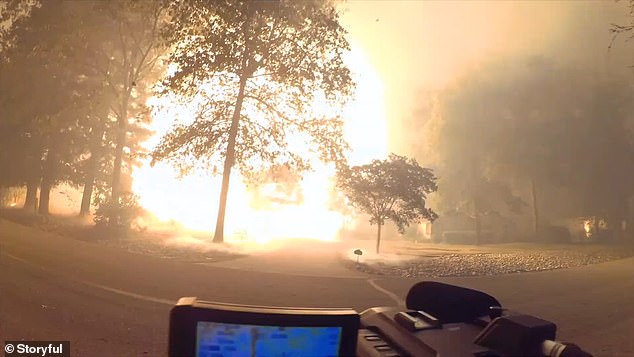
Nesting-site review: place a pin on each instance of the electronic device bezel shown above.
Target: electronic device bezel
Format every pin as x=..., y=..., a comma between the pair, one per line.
x=186, y=314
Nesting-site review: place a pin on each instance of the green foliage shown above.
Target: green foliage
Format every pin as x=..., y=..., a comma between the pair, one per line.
x=117, y=218
x=395, y=189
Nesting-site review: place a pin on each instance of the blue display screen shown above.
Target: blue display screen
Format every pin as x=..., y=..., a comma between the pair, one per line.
x=226, y=340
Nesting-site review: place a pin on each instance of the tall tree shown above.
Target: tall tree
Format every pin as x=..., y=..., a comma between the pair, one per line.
x=37, y=67
x=70, y=67
x=541, y=126
x=256, y=69
x=395, y=189
x=133, y=53
x=458, y=133
x=120, y=46
x=95, y=168
x=116, y=45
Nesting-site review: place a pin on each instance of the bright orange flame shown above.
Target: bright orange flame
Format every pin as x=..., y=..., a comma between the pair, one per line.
x=192, y=200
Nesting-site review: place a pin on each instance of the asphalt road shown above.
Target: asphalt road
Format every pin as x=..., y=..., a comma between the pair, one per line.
x=108, y=302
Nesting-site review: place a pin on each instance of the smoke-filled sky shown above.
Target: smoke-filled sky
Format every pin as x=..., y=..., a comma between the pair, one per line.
x=417, y=46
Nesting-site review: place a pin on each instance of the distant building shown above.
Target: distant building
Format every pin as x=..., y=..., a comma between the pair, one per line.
x=460, y=228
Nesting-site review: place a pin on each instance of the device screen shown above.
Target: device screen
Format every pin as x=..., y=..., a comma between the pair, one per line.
x=215, y=339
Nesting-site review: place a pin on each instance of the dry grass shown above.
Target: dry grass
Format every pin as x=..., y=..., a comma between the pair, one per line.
x=162, y=243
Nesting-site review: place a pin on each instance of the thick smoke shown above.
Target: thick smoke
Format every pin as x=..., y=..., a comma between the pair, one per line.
x=426, y=51
x=419, y=47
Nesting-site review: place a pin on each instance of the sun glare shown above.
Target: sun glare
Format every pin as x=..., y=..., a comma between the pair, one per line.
x=192, y=200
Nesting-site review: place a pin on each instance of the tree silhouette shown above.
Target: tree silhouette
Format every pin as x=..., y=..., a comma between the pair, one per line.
x=395, y=189
x=256, y=70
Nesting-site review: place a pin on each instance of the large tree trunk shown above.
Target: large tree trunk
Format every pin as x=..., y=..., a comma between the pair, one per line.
x=229, y=160
x=45, y=194
x=91, y=173
x=121, y=136
x=477, y=219
x=33, y=178
x=30, y=202
x=118, y=156
x=378, y=237
x=535, y=210
x=48, y=178
x=86, y=197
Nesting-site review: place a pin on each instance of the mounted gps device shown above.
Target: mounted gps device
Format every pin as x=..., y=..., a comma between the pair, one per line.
x=208, y=329
x=439, y=320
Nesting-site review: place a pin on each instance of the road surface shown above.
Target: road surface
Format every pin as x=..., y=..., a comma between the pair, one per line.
x=109, y=302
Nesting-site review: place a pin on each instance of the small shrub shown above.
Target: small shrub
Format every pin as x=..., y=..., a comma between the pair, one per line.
x=117, y=217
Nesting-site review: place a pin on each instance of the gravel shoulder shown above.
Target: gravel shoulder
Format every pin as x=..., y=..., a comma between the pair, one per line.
x=441, y=260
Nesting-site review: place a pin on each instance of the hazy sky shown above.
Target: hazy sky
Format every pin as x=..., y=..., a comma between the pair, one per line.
x=423, y=45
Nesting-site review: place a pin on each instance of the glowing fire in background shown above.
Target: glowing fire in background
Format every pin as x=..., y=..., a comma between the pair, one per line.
x=192, y=200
